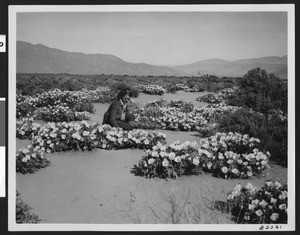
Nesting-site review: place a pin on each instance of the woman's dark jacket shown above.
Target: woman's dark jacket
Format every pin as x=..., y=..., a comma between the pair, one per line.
x=113, y=114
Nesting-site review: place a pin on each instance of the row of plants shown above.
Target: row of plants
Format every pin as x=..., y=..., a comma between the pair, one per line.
x=151, y=89
x=31, y=84
x=267, y=205
x=191, y=88
x=55, y=99
x=59, y=113
x=177, y=115
x=226, y=155
x=63, y=136
x=219, y=97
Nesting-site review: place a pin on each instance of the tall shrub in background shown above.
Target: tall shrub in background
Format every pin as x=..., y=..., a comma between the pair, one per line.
x=266, y=94
x=261, y=92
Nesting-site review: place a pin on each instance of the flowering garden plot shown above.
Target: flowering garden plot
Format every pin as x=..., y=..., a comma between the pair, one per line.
x=223, y=95
x=232, y=155
x=224, y=155
x=26, y=127
x=169, y=161
x=30, y=160
x=212, y=111
x=151, y=89
x=176, y=116
x=54, y=101
x=59, y=113
x=210, y=98
x=55, y=137
x=250, y=205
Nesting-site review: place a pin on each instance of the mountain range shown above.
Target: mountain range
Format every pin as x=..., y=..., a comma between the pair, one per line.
x=42, y=59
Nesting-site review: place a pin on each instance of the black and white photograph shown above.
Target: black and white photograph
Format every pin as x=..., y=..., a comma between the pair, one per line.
x=151, y=118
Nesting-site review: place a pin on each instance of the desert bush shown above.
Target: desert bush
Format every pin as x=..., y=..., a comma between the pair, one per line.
x=23, y=214
x=261, y=92
x=272, y=131
x=250, y=205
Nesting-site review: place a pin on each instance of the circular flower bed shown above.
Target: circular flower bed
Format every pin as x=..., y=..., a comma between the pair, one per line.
x=251, y=205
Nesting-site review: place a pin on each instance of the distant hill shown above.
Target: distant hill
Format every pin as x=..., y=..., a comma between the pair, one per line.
x=237, y=68
x=42, y=59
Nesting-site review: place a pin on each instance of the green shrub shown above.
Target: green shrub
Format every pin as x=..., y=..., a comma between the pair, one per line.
x=261, y=92
x=23, y=214
x=272, y=130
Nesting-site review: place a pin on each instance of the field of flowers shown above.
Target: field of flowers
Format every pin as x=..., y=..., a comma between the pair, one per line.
x=225, y=155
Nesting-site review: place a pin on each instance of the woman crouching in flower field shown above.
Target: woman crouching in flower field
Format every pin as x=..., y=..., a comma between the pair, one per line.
x=117, y=114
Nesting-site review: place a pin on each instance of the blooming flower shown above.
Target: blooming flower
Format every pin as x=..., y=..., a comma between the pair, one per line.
x=282, y=206
x=259, y=212
x=274, y=216
x=196, y=161
x=165, y=163
x=224, y=169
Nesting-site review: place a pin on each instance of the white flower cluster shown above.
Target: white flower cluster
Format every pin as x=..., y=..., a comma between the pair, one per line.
x=151, y=89
x=170, y=161
x=25, y=127
x=180, y=86
x=265, y=205
x=172, y=116
x=63, y=136
x=211, y=111
x=232, y=155
x=60, y=113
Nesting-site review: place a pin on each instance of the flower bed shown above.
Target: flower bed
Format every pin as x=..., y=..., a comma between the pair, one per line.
x=169, y=161
x=151, y=89
x=59, y=113
x=74, y=101
x=176, y=116
x=54, y=137
x=62, y=136
x=30, y=160
x=232, y=155
x=224, y=155
x=25, y=128
x=250, y=205
x=212, y=111
x=182, y=87
x=210, y=98
x=223, y=95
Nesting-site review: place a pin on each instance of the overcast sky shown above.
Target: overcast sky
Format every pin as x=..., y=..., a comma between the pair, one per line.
x=165, y=38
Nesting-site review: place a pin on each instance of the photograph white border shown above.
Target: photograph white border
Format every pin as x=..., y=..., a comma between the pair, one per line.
x=13, y=10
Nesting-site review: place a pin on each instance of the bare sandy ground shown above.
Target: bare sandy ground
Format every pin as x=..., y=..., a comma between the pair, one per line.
x=97, y=186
